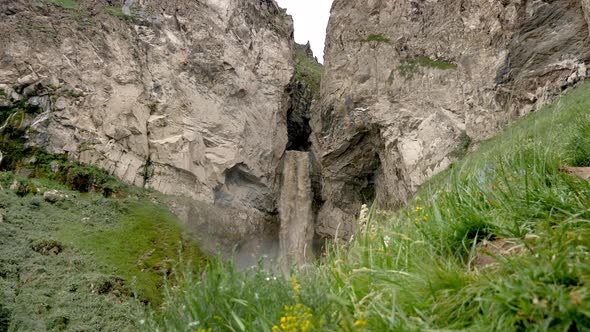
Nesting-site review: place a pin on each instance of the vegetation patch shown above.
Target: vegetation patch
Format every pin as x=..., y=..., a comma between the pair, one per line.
x=117, y=12
x=144, y=258
x=410, y=67
x=378, y=38
x=308, y=70
x=67, y=4
x=463, y=146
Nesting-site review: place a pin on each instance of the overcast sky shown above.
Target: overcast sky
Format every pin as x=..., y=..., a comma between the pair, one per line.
x=311, y=18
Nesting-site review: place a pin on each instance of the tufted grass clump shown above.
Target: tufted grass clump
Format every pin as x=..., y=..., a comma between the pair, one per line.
x=422, y=268
x=379, y=38
x=579, y=146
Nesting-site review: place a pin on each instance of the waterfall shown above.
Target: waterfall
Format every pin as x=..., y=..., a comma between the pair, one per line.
x=295, y=210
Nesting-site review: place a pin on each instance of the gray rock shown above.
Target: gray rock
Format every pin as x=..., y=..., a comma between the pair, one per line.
x=204, y=104
x=427, y=75
x=54, y=196
x=54, y=166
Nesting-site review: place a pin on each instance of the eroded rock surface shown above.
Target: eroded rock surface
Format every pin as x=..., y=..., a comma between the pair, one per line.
x=186, y=97
x=408, y=84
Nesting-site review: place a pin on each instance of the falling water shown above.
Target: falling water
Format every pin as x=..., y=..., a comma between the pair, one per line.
x=295, y=209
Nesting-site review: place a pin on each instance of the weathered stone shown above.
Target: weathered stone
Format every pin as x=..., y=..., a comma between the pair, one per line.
x=196, y=93
x=54, y=166
x=407, y=83
x=54, y=196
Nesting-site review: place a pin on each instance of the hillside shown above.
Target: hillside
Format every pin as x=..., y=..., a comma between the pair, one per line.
x=73, y=259
x=497, y=242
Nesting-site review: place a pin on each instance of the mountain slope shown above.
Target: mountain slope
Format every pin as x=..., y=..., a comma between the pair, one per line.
x=499, y=241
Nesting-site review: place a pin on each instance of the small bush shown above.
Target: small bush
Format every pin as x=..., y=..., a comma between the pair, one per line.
x=25, y=187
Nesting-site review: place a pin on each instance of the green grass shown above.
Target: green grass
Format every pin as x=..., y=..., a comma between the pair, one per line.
x=141, y=246
x=379, y=38
x=67, y=4
x=117, y=12
x=415, y=270
x=308, y=70
x=410, y=67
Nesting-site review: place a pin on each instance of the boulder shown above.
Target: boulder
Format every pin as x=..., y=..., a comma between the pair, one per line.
x=54, y=196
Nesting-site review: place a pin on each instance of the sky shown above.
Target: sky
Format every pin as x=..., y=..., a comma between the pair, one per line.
x=310, y=18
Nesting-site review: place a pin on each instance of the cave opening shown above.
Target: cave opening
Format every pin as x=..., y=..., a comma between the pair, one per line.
x=298, y=117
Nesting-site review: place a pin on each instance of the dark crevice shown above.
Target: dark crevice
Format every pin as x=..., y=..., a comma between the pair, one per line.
x=298, y=117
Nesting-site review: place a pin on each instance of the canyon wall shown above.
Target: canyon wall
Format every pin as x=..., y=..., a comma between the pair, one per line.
x=408, y=85
x=186, y=97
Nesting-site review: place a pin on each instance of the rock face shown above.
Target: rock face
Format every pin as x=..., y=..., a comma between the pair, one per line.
x=408, y=84
x=187, y=97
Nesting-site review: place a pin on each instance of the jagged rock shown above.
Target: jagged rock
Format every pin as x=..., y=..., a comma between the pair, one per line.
x=407, y=84
x=54, y=196
x=197, y=88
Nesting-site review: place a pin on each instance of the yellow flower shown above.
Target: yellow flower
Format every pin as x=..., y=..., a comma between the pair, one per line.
x=275, y=329
x=360, y=322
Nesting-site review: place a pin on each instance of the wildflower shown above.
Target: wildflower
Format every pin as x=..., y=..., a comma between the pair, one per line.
x=386, y=241
x=360, y=322
x=192, y=324
x=418, y=208
x=142, y=321
x=295, y=284
x=364, y=214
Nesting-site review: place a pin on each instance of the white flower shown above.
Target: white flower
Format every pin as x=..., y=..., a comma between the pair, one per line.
x=386, y=240
x=192, y=324
x=142, y=321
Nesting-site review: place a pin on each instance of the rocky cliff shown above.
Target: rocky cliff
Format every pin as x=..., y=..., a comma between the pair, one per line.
x=186, y=97
x=408, y=85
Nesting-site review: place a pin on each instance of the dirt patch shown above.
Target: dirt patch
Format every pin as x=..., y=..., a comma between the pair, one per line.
x=489, y=251
x=582, y=172
x=48, y=247
x=109, y=285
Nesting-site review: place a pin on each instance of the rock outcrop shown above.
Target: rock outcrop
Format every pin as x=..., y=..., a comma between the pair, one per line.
x=187, y=97
x=408, y=84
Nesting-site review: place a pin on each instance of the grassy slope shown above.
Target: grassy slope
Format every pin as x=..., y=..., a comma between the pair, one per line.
x=416, y=270
x=112, y=250
x=308, y=70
